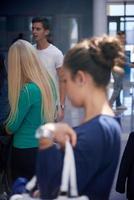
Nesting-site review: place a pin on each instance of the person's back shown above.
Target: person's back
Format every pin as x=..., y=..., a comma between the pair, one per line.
x=28, y=117
x=99, y=148
x=32, y=97
x=4, y=104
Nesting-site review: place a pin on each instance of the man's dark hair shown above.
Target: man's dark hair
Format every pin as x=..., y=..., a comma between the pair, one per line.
x=121, y=33
x=43, y=20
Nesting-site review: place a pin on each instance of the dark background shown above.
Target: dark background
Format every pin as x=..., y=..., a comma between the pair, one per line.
x=16, y=15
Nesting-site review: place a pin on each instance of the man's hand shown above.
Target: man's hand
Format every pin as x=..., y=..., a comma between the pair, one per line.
x=60, y=114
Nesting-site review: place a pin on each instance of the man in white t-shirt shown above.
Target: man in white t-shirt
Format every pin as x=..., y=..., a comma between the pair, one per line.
x=50, y=56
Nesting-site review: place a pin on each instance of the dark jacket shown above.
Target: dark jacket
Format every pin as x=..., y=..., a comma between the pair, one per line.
x=125, y=180
x=4, y=104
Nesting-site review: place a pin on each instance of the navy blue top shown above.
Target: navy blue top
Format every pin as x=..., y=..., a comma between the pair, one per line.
x=96, y=155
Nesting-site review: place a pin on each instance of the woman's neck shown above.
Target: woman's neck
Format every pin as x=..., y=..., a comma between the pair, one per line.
x=97, y=104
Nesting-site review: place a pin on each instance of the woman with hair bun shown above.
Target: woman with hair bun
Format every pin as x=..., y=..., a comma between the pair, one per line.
x=87, y=70
x=32, y=98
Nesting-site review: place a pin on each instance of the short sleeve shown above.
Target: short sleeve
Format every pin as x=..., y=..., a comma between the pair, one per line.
x=59, y=59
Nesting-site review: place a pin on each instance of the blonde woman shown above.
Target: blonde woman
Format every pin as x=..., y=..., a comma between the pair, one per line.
x=32, y=98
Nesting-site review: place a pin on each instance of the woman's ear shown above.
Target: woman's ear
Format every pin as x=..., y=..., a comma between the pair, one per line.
x=80, y=78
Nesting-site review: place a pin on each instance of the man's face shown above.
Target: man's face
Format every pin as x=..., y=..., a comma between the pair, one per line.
x=122, y=39
x=39, y=32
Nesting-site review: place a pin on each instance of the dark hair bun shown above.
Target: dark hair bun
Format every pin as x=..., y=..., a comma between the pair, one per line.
x=109, y=50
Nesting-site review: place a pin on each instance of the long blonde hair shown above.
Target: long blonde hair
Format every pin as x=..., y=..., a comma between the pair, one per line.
x=23, y=67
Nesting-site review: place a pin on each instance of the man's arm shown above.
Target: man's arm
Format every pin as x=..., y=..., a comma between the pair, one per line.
x=62, y=93
x=130, y=64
